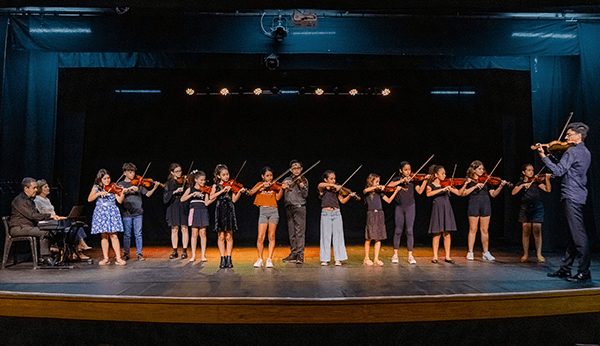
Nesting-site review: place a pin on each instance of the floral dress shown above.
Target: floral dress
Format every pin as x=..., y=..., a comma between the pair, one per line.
x=107, y=218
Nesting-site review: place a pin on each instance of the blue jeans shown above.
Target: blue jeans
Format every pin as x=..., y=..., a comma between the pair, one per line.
x=332, y=227
x=136, y=222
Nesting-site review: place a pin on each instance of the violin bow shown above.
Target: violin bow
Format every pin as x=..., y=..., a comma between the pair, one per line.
x=389, y=180
x=422, y=166
x=566, y=125
x=306, y=171
x=492, y=172
x=121, y=177
x=240, y=170
x=351, y=175
x=281, y=175
x=146, y=171
x=187, y=175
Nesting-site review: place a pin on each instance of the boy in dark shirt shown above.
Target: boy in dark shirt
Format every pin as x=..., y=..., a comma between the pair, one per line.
x=132, y=210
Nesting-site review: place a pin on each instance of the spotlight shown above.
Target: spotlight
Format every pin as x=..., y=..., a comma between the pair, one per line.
x=385, y=92
x=190, y=91
x=224, y=91
x=272, y=62
x=274, y=90
x=319, y=91
x=279, y=28
x=336, y=91
x=353, y=92
x=257, y=91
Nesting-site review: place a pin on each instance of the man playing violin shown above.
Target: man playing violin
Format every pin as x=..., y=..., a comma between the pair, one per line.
x=132, y=210
x=25, y=216
x=573, y=166
x=296, y=191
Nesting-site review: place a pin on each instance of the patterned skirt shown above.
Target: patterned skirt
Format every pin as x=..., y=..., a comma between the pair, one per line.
x=106, y=219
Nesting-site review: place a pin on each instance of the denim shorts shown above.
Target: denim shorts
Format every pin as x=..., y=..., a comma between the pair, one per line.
x=268, y=215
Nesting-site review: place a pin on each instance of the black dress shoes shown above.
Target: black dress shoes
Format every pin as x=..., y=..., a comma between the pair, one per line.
x=560, y=274
x=580, y=277
x=290, y=259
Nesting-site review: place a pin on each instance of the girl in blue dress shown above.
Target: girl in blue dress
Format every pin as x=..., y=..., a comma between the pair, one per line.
x=106, y=220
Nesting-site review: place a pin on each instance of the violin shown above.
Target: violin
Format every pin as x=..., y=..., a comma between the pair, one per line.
x=181, y=180
x=454, y=182
x=205, y=189
x=113, y=188
x=554, y=146
x=494, y=181
x=536, y=179
x=235, y=186
x=344, y=191
x=275, y=186
x=145, y=182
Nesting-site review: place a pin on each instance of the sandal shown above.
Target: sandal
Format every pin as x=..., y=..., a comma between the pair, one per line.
x=193, y=259
x=434, y=260
x=379, y=263
x=541, y=259
x=367, y=262
x=120, y=262
x=524, y=259
x=104, y=262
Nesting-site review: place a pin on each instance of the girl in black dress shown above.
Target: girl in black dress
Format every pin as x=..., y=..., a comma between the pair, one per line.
x=199, y=196
x=225, y=219
x=177, y=212
x=375, y=227
x=442, y=216
x=532, y=209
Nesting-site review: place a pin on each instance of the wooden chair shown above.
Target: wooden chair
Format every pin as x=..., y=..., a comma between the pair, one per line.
x=10, y=239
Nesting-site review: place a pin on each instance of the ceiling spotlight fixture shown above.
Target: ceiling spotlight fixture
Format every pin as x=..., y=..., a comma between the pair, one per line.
x=353, y=92
x=190, y=91
x=257, y=91
x=385, y=92
x=319, y=91
x=224, y=91
x=121, y=10
x=279, y=27
x=272, y=62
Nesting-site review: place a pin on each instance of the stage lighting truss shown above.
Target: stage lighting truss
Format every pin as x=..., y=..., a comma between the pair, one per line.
x=274, y=90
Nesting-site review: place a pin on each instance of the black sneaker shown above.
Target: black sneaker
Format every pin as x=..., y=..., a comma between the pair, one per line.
x=300, y=259
x=125, y=256
x=173, y=254
x=140, y=257
x=290, y=259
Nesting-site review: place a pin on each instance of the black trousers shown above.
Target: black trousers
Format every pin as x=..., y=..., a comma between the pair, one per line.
x=43, y=236
x=578, y=247
x=296, y=218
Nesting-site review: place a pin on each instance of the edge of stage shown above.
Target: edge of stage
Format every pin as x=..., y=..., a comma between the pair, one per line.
x=324, y=294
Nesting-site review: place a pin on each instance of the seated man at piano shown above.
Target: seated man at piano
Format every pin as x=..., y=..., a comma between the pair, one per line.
x=25, y=217
x=44, y=206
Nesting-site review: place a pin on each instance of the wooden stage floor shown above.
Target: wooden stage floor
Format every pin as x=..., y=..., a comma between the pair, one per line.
x=158, y=276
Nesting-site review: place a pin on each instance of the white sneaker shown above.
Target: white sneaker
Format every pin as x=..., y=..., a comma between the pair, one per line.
x=395, y=259
x=269, y=263
x=338, y=263
x=470, y=256
x=488, y=256
x=324, y=263
x=412, y=260
x=258, y=263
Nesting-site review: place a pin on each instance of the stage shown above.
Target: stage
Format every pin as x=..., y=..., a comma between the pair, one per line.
x=308, y=293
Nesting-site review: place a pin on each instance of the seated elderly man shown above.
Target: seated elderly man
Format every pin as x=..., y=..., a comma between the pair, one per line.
x=25, y=216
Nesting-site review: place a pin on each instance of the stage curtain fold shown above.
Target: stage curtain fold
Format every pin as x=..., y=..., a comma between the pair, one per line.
x=29, y=114
x=590, y=84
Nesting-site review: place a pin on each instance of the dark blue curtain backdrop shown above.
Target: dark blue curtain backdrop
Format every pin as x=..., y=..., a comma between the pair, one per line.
x=562, y=57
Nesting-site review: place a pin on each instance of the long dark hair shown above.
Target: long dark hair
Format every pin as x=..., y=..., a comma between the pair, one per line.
x=101, y=173
x=171, y=169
